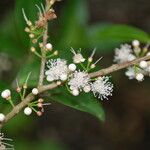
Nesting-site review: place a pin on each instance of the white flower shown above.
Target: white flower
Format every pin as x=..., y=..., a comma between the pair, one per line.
x=77, y=58
x=130, y=73
x=143, y=64
x=6, y=94
x=2, y=117
x=56, y=68
x=140, y=77
x=123, y=54
x=102, y=88
x=27, y=111
x=79, y=80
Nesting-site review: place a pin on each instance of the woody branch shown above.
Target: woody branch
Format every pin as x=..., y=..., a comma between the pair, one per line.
x=44, y=88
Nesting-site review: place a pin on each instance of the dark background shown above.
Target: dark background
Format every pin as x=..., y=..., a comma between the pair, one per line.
x=127, y=125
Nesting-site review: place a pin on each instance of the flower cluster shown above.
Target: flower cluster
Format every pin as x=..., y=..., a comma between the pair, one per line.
x=128, y=53
x=78, y=80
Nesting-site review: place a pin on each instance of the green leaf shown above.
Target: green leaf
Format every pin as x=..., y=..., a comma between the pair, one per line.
x=83, y=102
x=73, y=30
x=32, y=65
x=107, y=36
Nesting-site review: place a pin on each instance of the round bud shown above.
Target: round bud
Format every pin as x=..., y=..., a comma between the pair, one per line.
x=31, y=35
x=34, y=41
x=75, y=92
x=40, y=105
x=93, y=66
x=2, y=117
x=90, y=59
x=135, y=43
x=40, y=45
x=27, y=29
x=35, y=91
x=40, y=100
x=72, y=67
x=58, y=83
x=148, y=54
x=29, y=23
x=87, y=89
x=49, y=46
x=56, y=53
x=18, y=89
x=32, y=49
x=140, y=77
x=25, y=86
x=27, y=111
x=39, y=113
x=143, y=64
x=63, y=77
x=5, y=94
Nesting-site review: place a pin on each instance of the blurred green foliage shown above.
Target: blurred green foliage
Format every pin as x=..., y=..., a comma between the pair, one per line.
x=70, y=30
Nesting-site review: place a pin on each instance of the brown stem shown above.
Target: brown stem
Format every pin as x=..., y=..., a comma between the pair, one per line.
x=51, y=86
x=117, y=67
x=43, y=59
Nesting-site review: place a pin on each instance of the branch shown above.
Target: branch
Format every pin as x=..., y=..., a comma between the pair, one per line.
x=43, y=59
x=51, y=86
x=117, y=67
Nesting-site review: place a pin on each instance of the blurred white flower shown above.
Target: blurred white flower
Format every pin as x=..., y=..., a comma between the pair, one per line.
x=56, y=68
x=130, y=73
x=79, y=80
x=102, y=87
x=143, y=64
x=123, y=54
x=140, y=77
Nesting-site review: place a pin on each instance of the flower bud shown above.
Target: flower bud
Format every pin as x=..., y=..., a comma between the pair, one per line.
x=35, y=91
x=140, y=77
x=40, y=100
x=72, y=67
x=143, y=64
x=39, y=113
x=49, y=46
x=75, y=92
x=27, y=111
x=135, y=43
x=87, y=89
x=32, y=49
x=2, y=117
x=6, y=94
